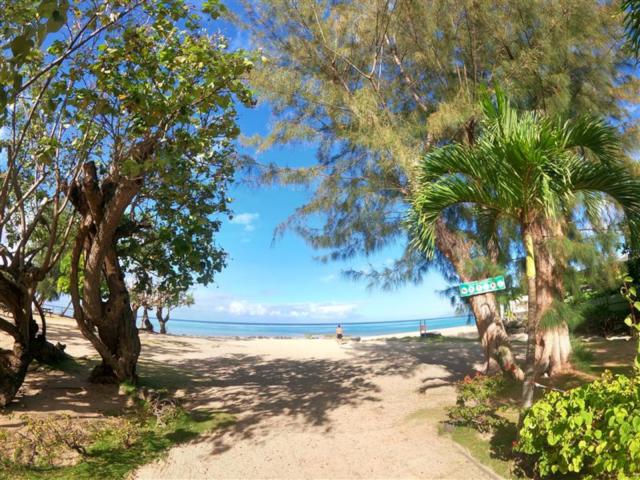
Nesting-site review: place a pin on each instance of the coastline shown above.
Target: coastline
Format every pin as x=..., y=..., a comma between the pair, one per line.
x=467, y=331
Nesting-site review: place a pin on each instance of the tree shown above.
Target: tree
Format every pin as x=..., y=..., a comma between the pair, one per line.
x=157, y=100
x=631, y=9
x=34, y=222
x=526, y=168
x=167, y=301
x=141, y=299
x=378, y=83
x=161, y=296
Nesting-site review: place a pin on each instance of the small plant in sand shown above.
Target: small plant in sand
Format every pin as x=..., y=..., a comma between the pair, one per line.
x=45, y=441
x=476, y=405
x=62, y=440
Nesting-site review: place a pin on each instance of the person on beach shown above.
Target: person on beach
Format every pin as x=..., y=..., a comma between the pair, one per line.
x=423, y=329
x=339, y=333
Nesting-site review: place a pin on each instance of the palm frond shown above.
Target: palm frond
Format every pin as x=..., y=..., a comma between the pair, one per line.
x=615, y=181
x=631, y=10
x=593, y=135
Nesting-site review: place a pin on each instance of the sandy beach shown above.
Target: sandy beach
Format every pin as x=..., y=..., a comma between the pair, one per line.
x=305, y=408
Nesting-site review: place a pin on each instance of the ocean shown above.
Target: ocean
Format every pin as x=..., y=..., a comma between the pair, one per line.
x=359, y=329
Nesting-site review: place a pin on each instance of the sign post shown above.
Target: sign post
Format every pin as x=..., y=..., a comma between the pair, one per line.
x=479, y=287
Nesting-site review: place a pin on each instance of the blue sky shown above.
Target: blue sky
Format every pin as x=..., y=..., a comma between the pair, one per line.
x=280, y=281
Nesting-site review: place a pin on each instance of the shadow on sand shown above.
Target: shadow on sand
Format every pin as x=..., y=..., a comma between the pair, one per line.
x=256, y=388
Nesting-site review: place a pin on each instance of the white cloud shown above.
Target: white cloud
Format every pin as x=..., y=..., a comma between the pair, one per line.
x=310, y=310
x=247, y=220
x=328, y=278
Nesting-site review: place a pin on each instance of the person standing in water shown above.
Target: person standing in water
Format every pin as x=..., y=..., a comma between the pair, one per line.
x=339, y=333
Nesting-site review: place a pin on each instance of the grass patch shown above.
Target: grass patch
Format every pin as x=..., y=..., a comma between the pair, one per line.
x=107, y=458
x=492, y=452
x=431, y=415
x=581, y=356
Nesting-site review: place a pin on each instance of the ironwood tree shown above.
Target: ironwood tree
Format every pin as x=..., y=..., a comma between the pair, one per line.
x=378, y=83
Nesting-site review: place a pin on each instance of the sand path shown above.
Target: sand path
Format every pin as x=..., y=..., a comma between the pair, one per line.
x=305, y=409
x=315, y=409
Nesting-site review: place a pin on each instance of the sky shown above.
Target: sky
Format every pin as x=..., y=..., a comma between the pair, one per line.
x=281, y=281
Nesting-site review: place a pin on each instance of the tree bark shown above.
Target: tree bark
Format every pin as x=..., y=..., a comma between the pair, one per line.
x=108, y=324
x=64, y=312
x=491, y=331
x=14, y=362
x=13, y=369
x=528, y=385
x=16, y=297
x=162, y=319
x=553, y=346
x=146, y=323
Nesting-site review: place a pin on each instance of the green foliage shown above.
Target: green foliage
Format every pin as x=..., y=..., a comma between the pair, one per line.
x=63, y=281
x=631, y=9
x=25, y=26
x=602, y=313
x=376, y=84
x=172, y=90
x=629, y=291
x=476, y=403
x=534, y=164
x=593, y=430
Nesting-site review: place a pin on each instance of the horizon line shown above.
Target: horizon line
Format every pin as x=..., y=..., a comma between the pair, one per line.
x=226, y=322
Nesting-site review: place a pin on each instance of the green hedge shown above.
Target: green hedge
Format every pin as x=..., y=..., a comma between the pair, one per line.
x=592, y=431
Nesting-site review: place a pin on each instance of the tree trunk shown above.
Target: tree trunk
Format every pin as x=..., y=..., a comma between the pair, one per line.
x=553, y=346
x=532, y=321
x=64, y=312
x=13, y=369
x=493, y=335
x=146, y=323
x=162, y=319
x=17, y=299
x=14, y=363
x=491, y=331
x=134, y=311
x=109, y=325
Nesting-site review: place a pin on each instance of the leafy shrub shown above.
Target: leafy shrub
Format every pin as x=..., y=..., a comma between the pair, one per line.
x=602, y=314
x=53, y=440
x=59, y=440
x=593, y=430
x=475, y=404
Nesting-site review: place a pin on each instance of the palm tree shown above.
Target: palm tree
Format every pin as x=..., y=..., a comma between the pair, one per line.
x=631, y=9
x=524, y=167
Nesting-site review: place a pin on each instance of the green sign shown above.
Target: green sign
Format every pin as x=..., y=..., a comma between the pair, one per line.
x=482, y=286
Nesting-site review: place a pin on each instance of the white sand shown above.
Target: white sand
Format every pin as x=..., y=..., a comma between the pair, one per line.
x=305, y=408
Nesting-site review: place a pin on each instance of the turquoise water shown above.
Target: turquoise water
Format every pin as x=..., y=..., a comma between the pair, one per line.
x=360, y=329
